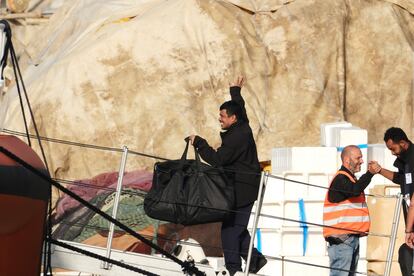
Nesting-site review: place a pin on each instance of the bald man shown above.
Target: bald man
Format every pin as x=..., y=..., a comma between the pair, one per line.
x=346, y=213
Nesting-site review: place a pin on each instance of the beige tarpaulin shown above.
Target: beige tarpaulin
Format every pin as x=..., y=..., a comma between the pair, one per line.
x=148, y=73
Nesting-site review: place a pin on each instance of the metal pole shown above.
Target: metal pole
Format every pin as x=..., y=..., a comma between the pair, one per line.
x=259, y=201
x=394, y=229
x=106, y=265
x=4, y=102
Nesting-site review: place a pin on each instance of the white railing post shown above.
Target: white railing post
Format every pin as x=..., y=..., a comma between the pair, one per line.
x=106, y=265
x=394, y=229
x=259, y=201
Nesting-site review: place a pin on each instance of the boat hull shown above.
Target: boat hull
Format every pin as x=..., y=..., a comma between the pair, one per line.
x=23, y=207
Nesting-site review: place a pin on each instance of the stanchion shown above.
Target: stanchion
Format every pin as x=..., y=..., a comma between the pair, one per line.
x=259, y=201
x=394, y=229
x=106, y=265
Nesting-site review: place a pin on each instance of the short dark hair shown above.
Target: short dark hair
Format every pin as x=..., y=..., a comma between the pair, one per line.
x=396, y=134
x=232, y=108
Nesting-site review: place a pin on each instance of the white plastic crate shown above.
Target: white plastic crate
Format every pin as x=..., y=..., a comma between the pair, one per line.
x=381, y=154
x=282, y=188
x=294, y=190
x=352, y=136
x=289, y=242
x=327, y=132
x=304, y=159
x=271, y=214
x=270, y=243
x=292, y=242
x=313, y=212
x=275, y=189
x=317, y=190
x=321, y=180
x=275, y=209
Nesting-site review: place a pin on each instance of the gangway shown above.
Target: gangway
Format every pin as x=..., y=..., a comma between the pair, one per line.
x=74, y=261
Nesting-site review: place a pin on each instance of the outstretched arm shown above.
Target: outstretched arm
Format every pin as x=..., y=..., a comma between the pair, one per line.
x=223, y=156
x=235, y=93
x=390, y=175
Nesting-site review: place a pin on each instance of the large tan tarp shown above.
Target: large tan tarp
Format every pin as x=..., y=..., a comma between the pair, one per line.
x=148, y=73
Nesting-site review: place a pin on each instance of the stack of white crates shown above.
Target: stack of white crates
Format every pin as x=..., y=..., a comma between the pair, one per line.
x=342, y=134
x=283, y=238
x=328, y=138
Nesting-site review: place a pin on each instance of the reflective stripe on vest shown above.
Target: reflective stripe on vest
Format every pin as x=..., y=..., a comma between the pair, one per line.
x=332, y=222
x=345, y=206
x=351, y=214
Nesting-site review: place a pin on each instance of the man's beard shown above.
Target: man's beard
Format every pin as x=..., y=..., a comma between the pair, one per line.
x=402, y=150
x=354, y=167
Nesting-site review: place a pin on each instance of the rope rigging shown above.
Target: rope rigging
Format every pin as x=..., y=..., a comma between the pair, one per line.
x=232, y=211
x=60, y=141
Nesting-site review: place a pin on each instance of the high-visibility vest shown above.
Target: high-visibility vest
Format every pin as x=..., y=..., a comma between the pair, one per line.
x=350, y=214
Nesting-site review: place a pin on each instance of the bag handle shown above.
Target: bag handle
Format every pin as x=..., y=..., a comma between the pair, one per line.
x=197, y=155
x=184, y=156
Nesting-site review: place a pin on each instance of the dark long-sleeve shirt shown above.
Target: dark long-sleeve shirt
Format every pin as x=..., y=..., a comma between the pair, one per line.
x=405, y=164
x=343, y=188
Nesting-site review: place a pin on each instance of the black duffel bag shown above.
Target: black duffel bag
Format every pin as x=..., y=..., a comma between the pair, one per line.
x=190, y=192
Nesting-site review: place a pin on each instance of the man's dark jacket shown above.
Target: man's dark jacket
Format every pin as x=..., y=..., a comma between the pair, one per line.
x=237, y=153
x=405, y=164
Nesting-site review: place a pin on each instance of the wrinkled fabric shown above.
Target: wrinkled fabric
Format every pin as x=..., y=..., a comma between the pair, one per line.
x=102, y=183
x=112, y=73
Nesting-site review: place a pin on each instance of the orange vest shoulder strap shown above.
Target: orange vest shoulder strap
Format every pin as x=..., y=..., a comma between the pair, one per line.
x=347, y=175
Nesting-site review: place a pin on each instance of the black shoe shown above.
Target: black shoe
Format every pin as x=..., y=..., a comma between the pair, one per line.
x=232, y=272
x=261, y=262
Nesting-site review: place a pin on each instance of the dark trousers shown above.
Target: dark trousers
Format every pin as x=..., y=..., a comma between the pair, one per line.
x=405, y=259
x=235, y=239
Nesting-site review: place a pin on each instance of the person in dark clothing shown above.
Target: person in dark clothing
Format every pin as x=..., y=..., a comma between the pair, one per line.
x=346, y=211
x=398, y=143
x=237, y=153
x=405, y=259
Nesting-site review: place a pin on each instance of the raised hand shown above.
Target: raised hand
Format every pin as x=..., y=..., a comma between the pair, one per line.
x=190, y=138
x=238, y=82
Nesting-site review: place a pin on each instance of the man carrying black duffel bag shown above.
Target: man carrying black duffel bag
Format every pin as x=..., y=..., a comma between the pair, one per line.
x=237, y=153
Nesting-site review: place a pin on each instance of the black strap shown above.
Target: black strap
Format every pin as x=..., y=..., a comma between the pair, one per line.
x=196, y=154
